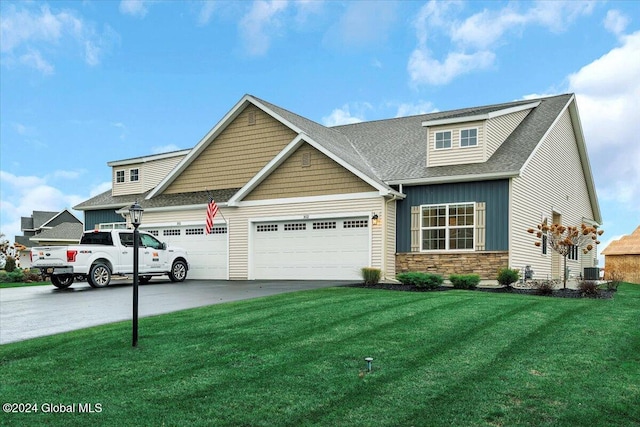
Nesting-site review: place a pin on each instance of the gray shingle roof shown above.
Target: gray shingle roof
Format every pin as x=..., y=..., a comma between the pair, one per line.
x=64, y=231
x=396, y=148
x=385, y=150
x=106, y=200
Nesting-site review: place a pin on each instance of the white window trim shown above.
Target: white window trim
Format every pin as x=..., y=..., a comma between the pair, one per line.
x=435, y=133
x=137, y=175
x=460, y=138
x=124, y=177
x=447, y=228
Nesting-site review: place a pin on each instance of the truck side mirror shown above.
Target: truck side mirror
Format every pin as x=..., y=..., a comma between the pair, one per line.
x=164, y=246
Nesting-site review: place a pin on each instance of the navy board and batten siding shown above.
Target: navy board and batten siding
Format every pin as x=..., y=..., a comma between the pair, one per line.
x=495, y=194
x=103, y=216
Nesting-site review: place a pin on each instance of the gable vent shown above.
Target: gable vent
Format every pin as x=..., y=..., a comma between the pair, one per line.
x=306, y=159
x=251, y=118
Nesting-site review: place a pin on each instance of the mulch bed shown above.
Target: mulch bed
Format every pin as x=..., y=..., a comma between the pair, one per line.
x=557, y=293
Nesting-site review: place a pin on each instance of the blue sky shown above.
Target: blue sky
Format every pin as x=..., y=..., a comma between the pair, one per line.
x=84, y=82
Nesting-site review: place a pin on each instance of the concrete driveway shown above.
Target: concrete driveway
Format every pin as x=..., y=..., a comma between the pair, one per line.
x=36, y=311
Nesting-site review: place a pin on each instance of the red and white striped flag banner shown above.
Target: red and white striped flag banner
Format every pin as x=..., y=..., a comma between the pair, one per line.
x=212, y=210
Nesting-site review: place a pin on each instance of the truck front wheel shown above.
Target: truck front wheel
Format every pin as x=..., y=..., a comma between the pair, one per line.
x=99, y=276
x=62, y=281
x=178, y=271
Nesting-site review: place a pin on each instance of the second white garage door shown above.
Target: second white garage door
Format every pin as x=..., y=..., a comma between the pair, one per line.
x=310, y=249
x=207, y=253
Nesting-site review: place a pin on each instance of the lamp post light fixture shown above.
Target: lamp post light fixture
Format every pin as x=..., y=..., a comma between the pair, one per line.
x=135, y=214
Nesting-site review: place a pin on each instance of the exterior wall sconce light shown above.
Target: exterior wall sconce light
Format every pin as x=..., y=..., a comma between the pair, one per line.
x=135, y=214
x=375, y=220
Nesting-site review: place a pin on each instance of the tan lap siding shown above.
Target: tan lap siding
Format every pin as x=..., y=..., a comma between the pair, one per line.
x=236, y=155
x=308, y=172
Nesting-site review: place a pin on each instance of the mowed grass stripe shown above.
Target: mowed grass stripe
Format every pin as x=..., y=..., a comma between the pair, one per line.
x=443, y=358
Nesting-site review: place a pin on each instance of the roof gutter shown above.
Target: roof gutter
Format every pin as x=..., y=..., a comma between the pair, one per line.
x=455, y=178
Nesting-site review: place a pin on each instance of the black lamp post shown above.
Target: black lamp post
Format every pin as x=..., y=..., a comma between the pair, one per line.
x=135, y=214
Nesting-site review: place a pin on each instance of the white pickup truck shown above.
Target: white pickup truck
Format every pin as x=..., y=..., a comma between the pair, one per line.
x=102, y=254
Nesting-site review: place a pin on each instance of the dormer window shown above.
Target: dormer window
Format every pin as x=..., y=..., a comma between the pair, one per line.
x=469, y=137
x=133, y=175
x=443, y=140
x=119, y=176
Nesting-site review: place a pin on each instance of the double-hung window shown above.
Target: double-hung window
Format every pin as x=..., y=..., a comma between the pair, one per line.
x=443, y=140
x=448, y=227
x=119, y=176
x=469, y=137
x=133, y=175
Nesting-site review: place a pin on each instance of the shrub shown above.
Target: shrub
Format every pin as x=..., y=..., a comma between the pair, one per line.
x=15, y=276
x=370, y=275
x=465, y=281
x=614, y=277
x=543, y=287
x=420, y=280
x=589, y=288
x=10, y=265
x=4, y=277
x=32, y=275
x=507, y=276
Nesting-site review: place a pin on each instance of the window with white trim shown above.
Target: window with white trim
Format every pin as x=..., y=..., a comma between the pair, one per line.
x=133, y=175
x=119, y=176
x=442, y=140
x=171, y=232
x=194, y=231
x=219, y=230
x=448, y=227
x=469, y=137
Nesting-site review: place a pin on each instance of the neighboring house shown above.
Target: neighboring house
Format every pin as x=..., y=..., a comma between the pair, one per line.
x=448, y=192
x=623, y=257
x=46, y=228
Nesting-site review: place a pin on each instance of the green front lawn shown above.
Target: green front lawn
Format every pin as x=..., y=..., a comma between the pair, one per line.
x=21, y=284
x=454, y=358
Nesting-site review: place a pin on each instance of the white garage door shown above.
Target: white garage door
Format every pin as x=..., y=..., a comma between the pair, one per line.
x=207, y=254
x=310, y=249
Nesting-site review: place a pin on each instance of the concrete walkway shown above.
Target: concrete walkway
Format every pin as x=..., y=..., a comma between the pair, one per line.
x=36, y=311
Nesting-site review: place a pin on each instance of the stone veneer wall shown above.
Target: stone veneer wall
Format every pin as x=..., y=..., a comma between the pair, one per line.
x=486, y=264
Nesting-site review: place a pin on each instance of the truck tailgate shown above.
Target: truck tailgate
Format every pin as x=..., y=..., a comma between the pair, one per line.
x=49, y=256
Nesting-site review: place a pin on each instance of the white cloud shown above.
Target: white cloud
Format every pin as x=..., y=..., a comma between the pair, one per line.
x=137, y=8
x=362, y=24
x=206, y=12
x=341, y=116
x=422, y=107
x=29, y=193
x=425, y=69
x=100, y=188
x=34, y=59
x=258, y=26
x=616, y=22
x=26, y=31
x=608, y=95
x=469, y=43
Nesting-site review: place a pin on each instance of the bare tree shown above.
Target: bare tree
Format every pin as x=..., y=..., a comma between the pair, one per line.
x=562, y=239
